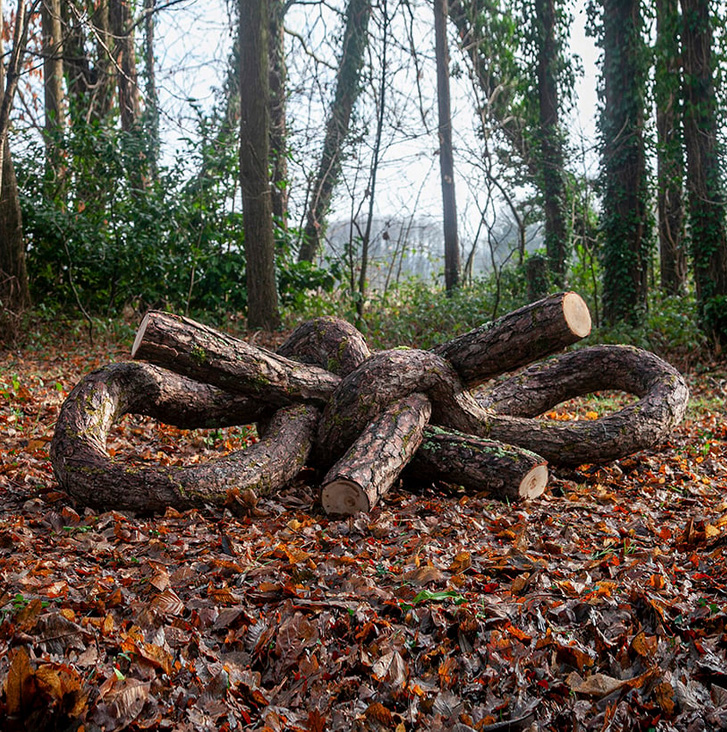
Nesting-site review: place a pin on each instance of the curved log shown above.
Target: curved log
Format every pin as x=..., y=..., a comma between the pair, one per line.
x=477, y=464
x=663, y=400
x=374, y=462
x=385, y=378
x=205, y=354
x=518, y=338
x=328, y=342
x=86, y=471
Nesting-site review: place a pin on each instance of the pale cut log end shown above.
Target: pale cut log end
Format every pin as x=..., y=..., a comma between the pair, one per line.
x=140, y=335
x=534, y=483
x=575, y=312
x=344, y=497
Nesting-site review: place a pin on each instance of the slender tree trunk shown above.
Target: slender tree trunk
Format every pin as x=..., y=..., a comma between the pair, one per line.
x=446, y=156
x=152, y=99
x=53, y=81
x=127, y=81
x=262, y=296
x=551, y=145
x=348, y=86
x=670, y=156
x=704, y=184
x=14, y=294
x=278, y=128
x=623, y=168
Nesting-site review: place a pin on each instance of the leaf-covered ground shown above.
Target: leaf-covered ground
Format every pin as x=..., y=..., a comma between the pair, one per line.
x=600, y=606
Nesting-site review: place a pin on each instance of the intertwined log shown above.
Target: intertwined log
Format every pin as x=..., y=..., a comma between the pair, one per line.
x=362, y=419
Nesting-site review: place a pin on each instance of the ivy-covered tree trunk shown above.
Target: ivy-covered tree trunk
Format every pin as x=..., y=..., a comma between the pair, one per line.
x=446, y=157
x=355, y=39
x=670, y=156
x=625, y=220
x=704, y=184
x=257, y=207
x=278, y=127
x=551, y=145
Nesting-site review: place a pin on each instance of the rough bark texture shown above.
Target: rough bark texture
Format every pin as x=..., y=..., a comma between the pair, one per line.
x=375, y=460
x=374, y=416
x=278, y=126
x=128, y=84
x=446, y=156
x=206, y=354
x=328, y=342
x=52, y=73
x=708, y=234
x=518, y=338
x=477, y=465
x=663, y=399
x=85, y=470
x=257, y=204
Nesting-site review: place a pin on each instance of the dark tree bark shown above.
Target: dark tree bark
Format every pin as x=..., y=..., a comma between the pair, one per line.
x=152, y=98
x=551, y=159
x=52, y=81
x=446, y=155
x=704, y=184
x=375, y=460
x=670, y=155
x=518, y=338
x=625, y=219
x=348, y=86
x=663, y=400
x=120, y=20
x=278, y=125
x=257, y=205
x=85, y=470
x=206, y=354
x=505, y=471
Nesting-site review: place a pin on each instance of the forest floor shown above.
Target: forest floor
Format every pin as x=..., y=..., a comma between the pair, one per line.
x=601, y=605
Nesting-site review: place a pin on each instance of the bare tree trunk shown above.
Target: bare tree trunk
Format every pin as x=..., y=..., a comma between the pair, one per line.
x=262, y=293
x=446, y=157
x=551, y=146
x=152, y=98
x=53, y=81
x=704, y=183
x=278, y=128
x=123, y=34
x=355, y=39
x=14, y=293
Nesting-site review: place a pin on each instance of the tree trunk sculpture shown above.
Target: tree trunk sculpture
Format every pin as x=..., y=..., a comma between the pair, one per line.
x=363, y=420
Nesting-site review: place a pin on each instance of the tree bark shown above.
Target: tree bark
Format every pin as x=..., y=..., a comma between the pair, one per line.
x=663, y=400
x=505, y=471
x=518, y=338
x=52, y=81
x=84, y=469
x=348, y=86
x=670, y=155
x=328, y=342
x=257, y=207
x=446, y=156
x=127, y=80
x=375, y=460
x=551, y=145
x=206, y=354
x=626, y=224
x=278, y=125
x=708, y=235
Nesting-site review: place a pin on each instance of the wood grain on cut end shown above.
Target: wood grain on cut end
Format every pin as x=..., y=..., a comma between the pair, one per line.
x=344, y=497
x=140, y=335
x=534, y=483
x=576, y=314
